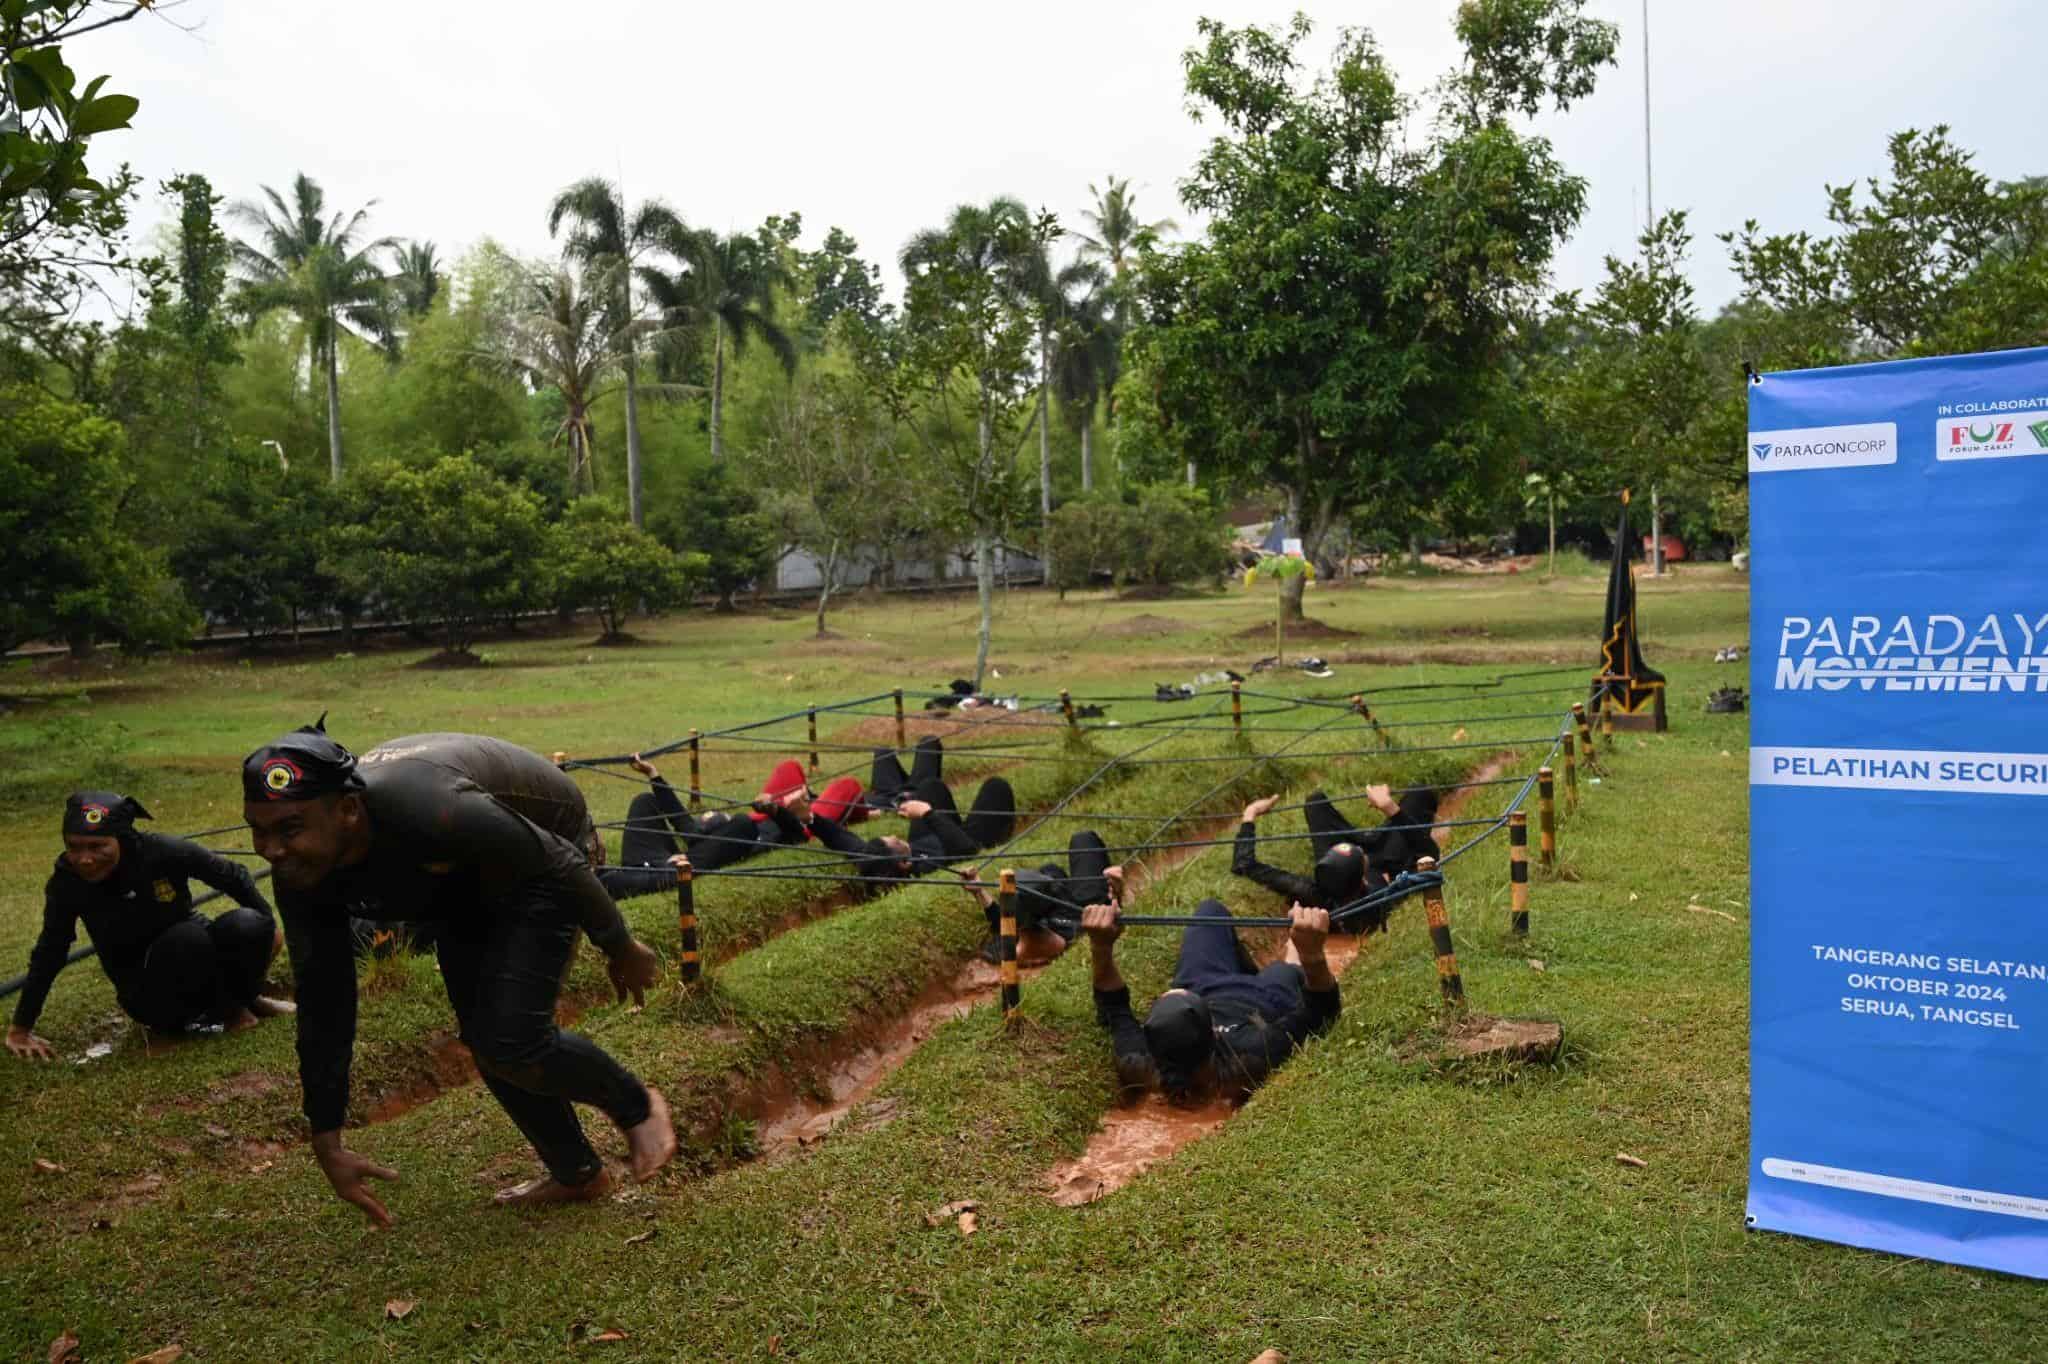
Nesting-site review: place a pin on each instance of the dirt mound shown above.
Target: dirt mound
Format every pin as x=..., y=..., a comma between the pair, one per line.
x=1141, y=627
x=622, y=640
x=449, y=658
x=1296, y=630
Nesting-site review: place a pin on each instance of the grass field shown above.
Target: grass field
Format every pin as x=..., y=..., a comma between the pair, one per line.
x=1364, y=1205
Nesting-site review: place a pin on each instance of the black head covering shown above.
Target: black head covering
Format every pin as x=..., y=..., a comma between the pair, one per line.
x=102, y=814
x=1180, y=1037
x=1339, y=874
x=301, y=765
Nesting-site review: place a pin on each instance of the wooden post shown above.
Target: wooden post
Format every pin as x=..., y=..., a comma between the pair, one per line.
x=696, y=781
x=1237, y=707
x=1007, y=928
x=1546, y=817
x=1365, y=713
x=1067, y=708
x=1607, y=727
x=560, y=757
x=1447, y=977
x=813, y=713
x=901, y=743
x=686, y=919
x=1518, y=872
x=1571, y=774
x=1585, y=735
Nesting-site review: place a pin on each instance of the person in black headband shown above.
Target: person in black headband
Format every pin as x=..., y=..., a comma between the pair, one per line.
x=1225, y=1024
x=171, y=966
x=1350, y=863
x=488, y=843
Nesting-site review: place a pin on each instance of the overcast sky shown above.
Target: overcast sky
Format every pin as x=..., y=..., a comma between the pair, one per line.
x=461, y=119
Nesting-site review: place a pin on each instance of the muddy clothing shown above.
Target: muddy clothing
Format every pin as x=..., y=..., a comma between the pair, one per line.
x=485, y=841
x=1052, y=897
x=1259, y=1015
x=658, y=826
x=125, y=915
x=938, y=840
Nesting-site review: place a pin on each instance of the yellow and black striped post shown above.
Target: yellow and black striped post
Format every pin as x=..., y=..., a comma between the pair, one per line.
x=1365, y=714
x=1007, y=928
x=686, y=919
x=1585, y=735
x=813, y=713
x=901, y=741
x=696, y=780
x=1237, y=707
x=1571, y=774
x=1518, y=872
x=1607, y=727
x=560, y=757
x=1067, y=708
x=1546, y=816
x=1447, y=977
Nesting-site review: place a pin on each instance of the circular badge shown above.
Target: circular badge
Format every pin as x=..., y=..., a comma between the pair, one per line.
x=94, y=814
x=279, y=774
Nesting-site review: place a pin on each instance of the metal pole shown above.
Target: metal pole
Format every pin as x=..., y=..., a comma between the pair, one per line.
x=696, y=781
x=900, y=742
x=813, y=714
x=1237, y=707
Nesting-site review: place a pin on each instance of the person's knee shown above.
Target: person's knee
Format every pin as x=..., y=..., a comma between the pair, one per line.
x=1086, y=841
x=243, y=929
x=1212, y=909
x=506, y=1043
x=181, y=947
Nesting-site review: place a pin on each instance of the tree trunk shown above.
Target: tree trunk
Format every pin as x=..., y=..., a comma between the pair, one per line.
x=1045, y=450
x=633, y=438
x=717, y=388
x=1088, y=455
x=1191, y=473
x=1291, y=588
x=1553, y=535
x=575, y=459
x=825, y=588
x=333, y=408
x=984, y=591
x=1656, y=534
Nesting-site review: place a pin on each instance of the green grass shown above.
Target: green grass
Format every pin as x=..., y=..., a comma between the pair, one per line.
x=1362, y=1206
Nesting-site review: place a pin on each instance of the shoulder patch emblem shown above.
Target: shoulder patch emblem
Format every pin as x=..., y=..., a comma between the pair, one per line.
x=165, y=891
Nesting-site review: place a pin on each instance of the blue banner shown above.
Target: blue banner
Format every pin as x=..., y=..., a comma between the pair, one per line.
x=1898, y=797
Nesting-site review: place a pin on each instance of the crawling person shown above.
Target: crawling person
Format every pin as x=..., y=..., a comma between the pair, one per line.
x=938, y=836
x=845, y=802
x=485, y=841
x=1350, y=863
x=1225, y=1024
x=1050, y=899
x=661, y=833
x=171, y=966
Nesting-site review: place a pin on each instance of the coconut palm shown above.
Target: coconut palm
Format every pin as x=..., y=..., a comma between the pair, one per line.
x=729, y=286
x=605, y=232
x=418, y=278
x=566, y=335
x=315, y=267
x=1118, y=233
x=1087, y=356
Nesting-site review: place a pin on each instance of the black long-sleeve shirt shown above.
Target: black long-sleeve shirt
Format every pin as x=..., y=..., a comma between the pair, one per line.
x=147, y=893
x=460, y=825
x=1249, y=1045
x=1244, y=861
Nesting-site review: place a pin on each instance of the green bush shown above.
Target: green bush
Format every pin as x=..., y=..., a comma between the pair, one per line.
x=599, y=561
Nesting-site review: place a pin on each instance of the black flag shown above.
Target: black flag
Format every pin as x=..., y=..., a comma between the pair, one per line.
x=1631, y=684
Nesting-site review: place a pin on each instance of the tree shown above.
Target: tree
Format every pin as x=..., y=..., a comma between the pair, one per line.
x=615, y=240
x=314, y=267
x=836, y=280
x=1354, y=287
x=730, y=286
x=957, y=371
x=1118, y=235
x=835, y=475
x=566, y=336
x=1546, y=491
x=1290, y=573
x=613, y=569
x=249, y=545
x=417, y=278
x=1087, y=359
x=719, y=517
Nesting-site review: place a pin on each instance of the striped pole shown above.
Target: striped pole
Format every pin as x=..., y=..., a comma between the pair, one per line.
x=1237, y=707
x=1585, y=735
x=1607, y=727
x=686, y=919
x=696, y=781
x=813, y=713
x=1447, y=977
x=1067, y=708
x=901, y=742
x=1365, y=713
x=1571, y=774
x=1518, y=872
x=560, y=757
x=1007, y=928
x=1546, y=816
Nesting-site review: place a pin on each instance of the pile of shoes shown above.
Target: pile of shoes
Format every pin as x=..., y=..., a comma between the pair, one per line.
x=1314, y=667
x=1731, y=654
x=1727, y=701
x=1177, y=691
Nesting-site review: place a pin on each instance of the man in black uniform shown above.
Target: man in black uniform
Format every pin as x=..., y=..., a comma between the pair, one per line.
x=486, y=841
x=170, y=965
x=1350, y=863
x=1225, y=1025
x=1050, y=899
x=660, y=831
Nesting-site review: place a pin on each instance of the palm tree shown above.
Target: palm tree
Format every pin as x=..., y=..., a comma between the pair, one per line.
x=1086, y=359
x=730, y=284
x=606, y=233
x=1118, y=234
x=312, y=266
x=567, y=337
x=418, y=278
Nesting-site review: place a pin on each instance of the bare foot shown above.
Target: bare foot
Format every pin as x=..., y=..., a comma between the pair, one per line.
x=267, y=1006
x=1039, y=946
x=652, y=1141
x=240, y=1021
x=536, y=1193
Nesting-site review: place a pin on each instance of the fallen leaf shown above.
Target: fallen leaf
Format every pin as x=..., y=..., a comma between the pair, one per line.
x=1459, y=734
x=607, y=1336
x=1702, y=909
x=64, y=1349
x=938, y=1216
x=1535, y=963
x=644, y=1237
x=1632, y=897
x=1633, y=1162
x=170, y=1354
x=216, y=1130
x=259, y=1169
x=774, y=1346
x=148, y=1184
x=47, y=1167
x=969, y=1224
x=398, y=1309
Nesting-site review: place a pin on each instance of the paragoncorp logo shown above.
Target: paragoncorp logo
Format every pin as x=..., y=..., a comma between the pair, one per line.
x=1824, y=447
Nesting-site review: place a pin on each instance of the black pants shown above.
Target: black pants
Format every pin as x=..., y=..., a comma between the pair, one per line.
x=888, y=783
x=503, y=967
x=1327, y=825
x=1080, y=885
x=202, y=972
x=946, y=837
x=715, y=840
